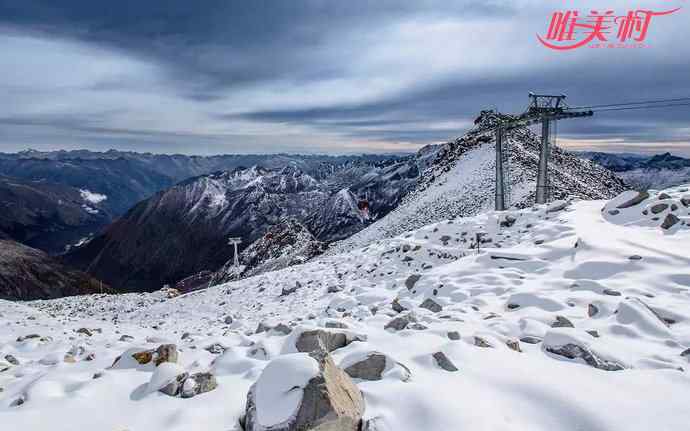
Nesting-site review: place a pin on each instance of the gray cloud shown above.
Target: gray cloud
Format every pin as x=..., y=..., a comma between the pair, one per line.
x=313, y=75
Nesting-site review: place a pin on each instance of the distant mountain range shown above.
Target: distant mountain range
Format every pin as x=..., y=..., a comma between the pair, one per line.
x=645, y=172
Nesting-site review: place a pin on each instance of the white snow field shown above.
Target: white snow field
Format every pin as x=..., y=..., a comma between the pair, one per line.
x=571, y=316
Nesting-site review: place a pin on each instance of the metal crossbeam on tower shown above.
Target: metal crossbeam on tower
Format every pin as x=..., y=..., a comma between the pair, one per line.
x=545, y=109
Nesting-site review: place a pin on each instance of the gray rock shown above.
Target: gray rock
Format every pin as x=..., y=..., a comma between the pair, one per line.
x=562, y=322
x=412, y=280
x=173, y=388
x=611, y=292
x=227, y=320
x=330, y=402
x=640, y=197
x=215, y=348
x=529, y=339
x=481, y=342
x=685, y=353
x=198, y=384
x=27, y=337
x=18, y=401
x=658, y=208
x=334, y=324
x=593, y=332
x=431, y=305
x=635, y=257
x=592, y=310
x=127, y=338
x=443, y=362
x=670, y=221
x=395, y=305
x=370, y=368
x=574, y=351
x=401, y=322
x=85, y=331
x=11, y=359
x=514, y=345
x=318, y=339
x=166, y=353
x=453, y=335
x=288, y=290
x=282, y=329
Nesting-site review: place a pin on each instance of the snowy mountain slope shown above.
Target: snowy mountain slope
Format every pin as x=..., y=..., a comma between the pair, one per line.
x=645, y=172
x=569, y=316
x=460, y=181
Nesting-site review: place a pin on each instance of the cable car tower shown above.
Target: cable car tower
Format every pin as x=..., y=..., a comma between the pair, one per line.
x=545, y=109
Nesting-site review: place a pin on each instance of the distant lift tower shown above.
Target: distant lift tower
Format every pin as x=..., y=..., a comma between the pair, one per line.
x=545, y=109
x=235, y=242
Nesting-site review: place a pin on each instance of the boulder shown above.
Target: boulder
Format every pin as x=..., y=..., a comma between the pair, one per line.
x=638, y=198
x=513, y=345
x=562, y=322
x=301, y=392
x=592, y=310
x=670, y=221
x=319, y=339
x=11, y=359
x=453, y=335
x=369, y=368
x=658, y=208
x=166, y=353
x=401, y=322
x=443, y=362
x=481, y=342
x=85, y=331
x=412, y=280
x=431, y=305
x=198, y=383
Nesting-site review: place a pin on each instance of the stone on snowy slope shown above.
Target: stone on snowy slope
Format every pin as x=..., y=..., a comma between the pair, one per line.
x=563, y=342
x=481, y=342
x=329, y=399
x=198, y=383
x=369, y=368
x=453, y=335
x=85, y=331
x=592, y=310
x=412, y=280
x=401, y=322
x=638, y=198
x=11, y=359
x=442, y=361
x=164, y=353
x=319, y=339
x=513, y=345
x=670, y=221
x=431, y=305
x=396, y=306
x=562, y=322
x=658, y=208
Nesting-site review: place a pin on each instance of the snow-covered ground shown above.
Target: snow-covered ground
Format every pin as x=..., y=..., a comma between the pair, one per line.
x=572, y=316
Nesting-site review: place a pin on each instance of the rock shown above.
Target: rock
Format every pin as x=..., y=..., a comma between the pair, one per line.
x=330, y=401
x=198, y=383
x=686, y=352
x=635, y=257
x=614, y=212
x=282, y=328
x=370, y=368
x=514, y=345
x=227, y=320
x=663, y=196
x=335, y=324
x=670, y=221
x=374, y=424
x=126, y=338
x=98, y=374
x=401, y=322
x=556, y=206
x=85, y=331
x=574, y=351
x=262, y=327
x=27, y=337
x=412, y=280
x=11, y=359
x=592, y=310
x=562, y=322
x=685, y=200
x=166, y=353
x=593, y=332
x=640, y=197
x=167, y=378
x=611, y=292
x=512, y=306
x=143, y=357
x=215, y=348
x=18, y=401
x=395, y=305
x=318, y=339
x=333, y=288
x=453, y=335
x=529, y=339
x=658, y=208
x=289, y=290
x=173, y=388
x=431, y=305
x=417, y=326
x=481, y=342
x=443, y=362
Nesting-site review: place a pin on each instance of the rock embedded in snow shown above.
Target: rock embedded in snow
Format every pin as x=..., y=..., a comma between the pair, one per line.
x=11, y=359
x=592, y=310
x=198, y=383
x=670, y=221
x=395, y=305
x=369, y=368
x=166, y=353
x=453, y=335
x=513, y=345
x=303, y=392
x=85, y=331
x=443, y=362
x=530, y=339
x=631, y=199
x=167, y=378
x=412, y=280
x=562, y=322
x=481, y=342
x=431, y=305
x=566, y=344
x=401, y=322
x=319, y=339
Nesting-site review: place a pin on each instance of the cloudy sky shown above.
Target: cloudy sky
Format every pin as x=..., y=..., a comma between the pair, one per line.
x=231, y=76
